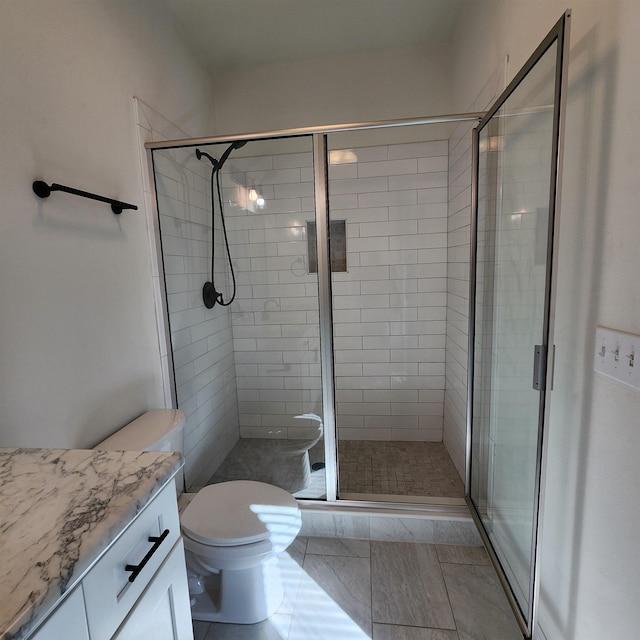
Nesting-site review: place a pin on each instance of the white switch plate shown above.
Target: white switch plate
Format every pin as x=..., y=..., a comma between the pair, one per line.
x=617, y=355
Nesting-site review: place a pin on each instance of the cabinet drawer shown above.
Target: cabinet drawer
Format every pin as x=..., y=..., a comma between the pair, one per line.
x=109, y=594
x=163, y=611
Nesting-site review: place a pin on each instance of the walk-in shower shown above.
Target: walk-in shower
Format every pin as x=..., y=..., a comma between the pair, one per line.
x=317, y=361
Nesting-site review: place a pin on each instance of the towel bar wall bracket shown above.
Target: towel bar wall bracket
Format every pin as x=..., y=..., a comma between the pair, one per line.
x=43, y=190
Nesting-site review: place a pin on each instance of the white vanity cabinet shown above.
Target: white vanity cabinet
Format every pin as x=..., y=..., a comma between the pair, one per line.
x=137, y=589
x=68, y=621
x=163, y=611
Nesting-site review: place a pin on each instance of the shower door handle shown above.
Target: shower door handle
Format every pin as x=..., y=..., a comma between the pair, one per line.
x=539, y=366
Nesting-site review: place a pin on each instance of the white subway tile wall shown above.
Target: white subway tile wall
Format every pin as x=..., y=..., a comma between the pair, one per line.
x=457, y=318
x=249, y=369
x=202, y=339
x=390, y=306
x=275, y=315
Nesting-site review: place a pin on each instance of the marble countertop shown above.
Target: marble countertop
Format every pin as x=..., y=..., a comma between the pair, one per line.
x=59, y=510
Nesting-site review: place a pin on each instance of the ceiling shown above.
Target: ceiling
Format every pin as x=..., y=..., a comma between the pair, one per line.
x=229, y=34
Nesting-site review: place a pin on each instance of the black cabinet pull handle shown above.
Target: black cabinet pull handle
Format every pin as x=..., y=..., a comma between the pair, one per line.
x=137, y=568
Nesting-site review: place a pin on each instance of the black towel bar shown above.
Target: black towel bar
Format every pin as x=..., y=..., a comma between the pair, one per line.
x=43, y=190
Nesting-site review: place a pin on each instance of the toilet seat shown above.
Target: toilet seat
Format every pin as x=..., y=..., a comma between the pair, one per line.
x=229, y=513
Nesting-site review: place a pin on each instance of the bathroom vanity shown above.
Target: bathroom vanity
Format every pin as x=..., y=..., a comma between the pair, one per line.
x=90, y=546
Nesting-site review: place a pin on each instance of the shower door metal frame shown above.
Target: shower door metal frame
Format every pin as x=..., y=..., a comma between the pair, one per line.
x=559, y=34
x=310, y=131
x=325, y=302
x=325, y=308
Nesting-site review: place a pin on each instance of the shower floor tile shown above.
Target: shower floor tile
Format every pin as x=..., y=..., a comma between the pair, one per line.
x=365, y=467
x=398, y=468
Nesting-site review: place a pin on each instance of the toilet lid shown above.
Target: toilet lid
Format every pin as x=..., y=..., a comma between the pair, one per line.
x=236, y=512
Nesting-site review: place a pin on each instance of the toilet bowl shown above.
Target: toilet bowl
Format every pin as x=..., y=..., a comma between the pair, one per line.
x=232, y=531
x=295, y=453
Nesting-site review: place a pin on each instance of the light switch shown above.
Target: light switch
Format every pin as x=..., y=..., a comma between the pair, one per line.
x=616, y=356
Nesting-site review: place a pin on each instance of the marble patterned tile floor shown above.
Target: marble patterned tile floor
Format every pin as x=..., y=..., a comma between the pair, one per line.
x=346, y=589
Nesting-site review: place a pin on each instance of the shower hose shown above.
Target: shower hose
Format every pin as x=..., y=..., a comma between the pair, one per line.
x=210, y=295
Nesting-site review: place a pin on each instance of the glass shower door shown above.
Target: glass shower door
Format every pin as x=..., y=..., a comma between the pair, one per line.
x=247, y=368
x=388, y=230
x=517, y=152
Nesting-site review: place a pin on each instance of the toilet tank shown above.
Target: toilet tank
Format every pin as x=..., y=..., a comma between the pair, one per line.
x=155, y=430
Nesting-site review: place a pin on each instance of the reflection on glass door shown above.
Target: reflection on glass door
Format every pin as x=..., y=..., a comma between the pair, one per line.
x=516, y=185
x=243, y=310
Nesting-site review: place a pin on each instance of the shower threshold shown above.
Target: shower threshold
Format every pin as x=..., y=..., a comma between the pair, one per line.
x=402, y=500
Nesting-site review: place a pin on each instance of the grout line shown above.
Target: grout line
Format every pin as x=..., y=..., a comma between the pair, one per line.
x=371, y=582
x=446, y=588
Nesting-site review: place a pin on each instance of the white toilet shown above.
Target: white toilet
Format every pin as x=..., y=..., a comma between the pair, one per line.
x=232, y=531
x=295, y=453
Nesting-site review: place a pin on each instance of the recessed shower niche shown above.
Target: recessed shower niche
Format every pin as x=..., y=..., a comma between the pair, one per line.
x=338, y=248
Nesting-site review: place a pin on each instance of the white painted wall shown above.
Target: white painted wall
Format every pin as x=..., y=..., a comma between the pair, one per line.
x=590, y=558
x=398, y=83
x=79, y=351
